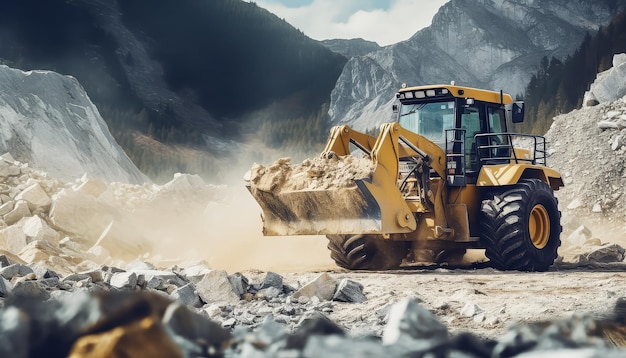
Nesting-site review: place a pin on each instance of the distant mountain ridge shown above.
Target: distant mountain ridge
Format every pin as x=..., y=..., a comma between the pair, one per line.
x=494, y=44
x=351, y=47
x=190, y=73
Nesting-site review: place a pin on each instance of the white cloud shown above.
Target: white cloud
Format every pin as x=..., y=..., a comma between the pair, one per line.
x=328, y=19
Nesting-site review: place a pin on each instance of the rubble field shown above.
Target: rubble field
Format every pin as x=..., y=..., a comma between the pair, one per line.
x=109, y=269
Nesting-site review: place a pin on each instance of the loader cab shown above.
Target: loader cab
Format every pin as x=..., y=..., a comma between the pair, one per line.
x=468, y=124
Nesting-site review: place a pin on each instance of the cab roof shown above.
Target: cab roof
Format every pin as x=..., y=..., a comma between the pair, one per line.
x=458, y=92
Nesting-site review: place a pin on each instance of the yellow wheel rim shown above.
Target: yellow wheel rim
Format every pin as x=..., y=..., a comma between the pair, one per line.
x=539, y=226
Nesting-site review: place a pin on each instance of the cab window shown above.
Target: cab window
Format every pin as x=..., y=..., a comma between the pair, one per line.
x=428, y=119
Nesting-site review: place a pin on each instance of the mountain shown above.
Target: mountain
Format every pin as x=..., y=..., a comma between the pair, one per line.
x=351, y=47
x=589, y=76
x=494, y=44
x=186, y=73
x=48, y=120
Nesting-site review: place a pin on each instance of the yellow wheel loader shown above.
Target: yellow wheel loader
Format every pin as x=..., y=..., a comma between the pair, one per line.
x=445, y=177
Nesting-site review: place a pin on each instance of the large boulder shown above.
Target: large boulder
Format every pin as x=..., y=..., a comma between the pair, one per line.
x=47, y=120
x=609, y=85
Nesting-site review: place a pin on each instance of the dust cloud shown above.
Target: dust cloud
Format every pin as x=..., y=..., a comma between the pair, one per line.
x=225, y=230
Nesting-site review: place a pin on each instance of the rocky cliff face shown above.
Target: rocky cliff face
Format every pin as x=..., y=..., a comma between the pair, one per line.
x=494, y=44
x=351, y=47
x=48, y=120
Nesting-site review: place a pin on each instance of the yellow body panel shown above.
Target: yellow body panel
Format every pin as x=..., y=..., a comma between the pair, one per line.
x=466, y=92
x=508, y=174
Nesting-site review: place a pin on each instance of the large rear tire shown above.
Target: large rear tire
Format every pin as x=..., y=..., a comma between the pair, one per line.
x=366, y=252
x=521, y=227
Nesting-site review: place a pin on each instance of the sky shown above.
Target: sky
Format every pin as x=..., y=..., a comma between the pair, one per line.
x=383, y=21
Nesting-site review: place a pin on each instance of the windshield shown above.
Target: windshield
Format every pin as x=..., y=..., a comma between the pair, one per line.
x=428, y=119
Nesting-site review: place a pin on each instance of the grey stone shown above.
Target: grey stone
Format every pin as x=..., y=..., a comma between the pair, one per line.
x=14, y=270
x=5, y=287
x=96, y=274
x=187, y=327
x=349, y=291
x=322, y=287
x=606, y=254
x=229, y=323
x=124, y=280
x=15, y=332
x=6, y=261
x=215, y=287
x=75, y=277
x=32, y=289
x=42, y=271
x=272, y=279
x=269, y=293
x=187, y=295
x=312, y=324
x=408, y=320
x=239, y=282
x=160, y=276
x=337, y=347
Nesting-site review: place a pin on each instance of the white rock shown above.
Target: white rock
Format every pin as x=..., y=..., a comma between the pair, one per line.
x=6, y=207
x=122, y=240
x=37, y=229
x=12, y=238
x=183, y=183
x=610, y=85
x=608, y=125
x=20, y=211
x=91, y=187
x=99, y=252
x=215, y=288
x=41, y=251
x=196, y=271
x=597, y=208
x=471, y=309
x=574, y=204
x=124, y=280
x=81, y=214
x=35, y=196
x=613, y=114
x=322, y=287
x=7, y=170
x=579, y=236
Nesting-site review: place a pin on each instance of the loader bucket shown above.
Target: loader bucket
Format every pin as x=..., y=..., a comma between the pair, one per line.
x=329, y=196
x=350, y=210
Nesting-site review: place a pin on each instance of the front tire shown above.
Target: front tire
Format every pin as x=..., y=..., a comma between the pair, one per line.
x=521, y=227
x=366, y=252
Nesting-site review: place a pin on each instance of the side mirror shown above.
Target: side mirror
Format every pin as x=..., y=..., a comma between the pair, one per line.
x=516, y=110
x=395, y=108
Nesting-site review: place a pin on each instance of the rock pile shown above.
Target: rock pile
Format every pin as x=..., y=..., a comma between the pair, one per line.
x=86, y=222
x=587, y=147
x=141, y=312
x=311, y=174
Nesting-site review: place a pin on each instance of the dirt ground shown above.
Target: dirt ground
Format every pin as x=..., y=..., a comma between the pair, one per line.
x=504, y=297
